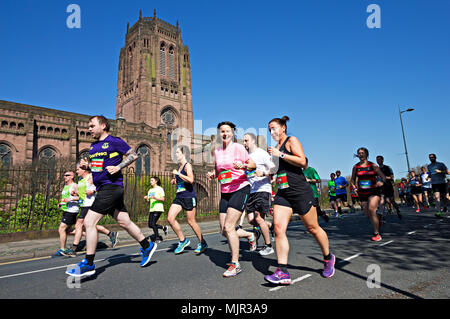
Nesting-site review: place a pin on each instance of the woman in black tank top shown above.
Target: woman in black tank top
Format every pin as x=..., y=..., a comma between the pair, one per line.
x=294, y=195
x=185, y=199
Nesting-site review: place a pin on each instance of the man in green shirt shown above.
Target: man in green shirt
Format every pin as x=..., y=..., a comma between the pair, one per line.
x=313, y=178
x=332, y=194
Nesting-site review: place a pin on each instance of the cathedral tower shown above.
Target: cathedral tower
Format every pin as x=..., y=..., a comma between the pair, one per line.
x=154, y=79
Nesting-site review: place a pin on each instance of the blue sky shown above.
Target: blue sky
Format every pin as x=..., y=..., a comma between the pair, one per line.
x=252, y=60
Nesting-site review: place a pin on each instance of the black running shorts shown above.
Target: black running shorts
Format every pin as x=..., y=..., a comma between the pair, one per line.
x=300, y=200
x=236, y=200
x=259, y=202
x=109, y=198
x=83, y=212
x=441, y=188
x=69, y=218
x=187, y=204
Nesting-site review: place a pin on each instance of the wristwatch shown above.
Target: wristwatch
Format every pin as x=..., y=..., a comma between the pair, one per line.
x=282, y=155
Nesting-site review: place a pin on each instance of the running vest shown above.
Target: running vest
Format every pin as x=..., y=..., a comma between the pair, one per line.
x=83, y=186
x=68, y=205
x=288, y=175
x=367, y=178
x=414, y=182
x=184, y=189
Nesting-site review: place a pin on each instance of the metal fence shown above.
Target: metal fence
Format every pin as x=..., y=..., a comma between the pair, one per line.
x=29, y=197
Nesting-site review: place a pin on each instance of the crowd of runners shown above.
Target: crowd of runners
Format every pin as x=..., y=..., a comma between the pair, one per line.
x=252, y=180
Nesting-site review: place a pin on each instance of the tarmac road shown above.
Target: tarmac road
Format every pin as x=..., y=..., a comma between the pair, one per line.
x=411, y=262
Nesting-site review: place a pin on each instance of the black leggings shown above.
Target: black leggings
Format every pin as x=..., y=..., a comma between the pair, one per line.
x=152, y=219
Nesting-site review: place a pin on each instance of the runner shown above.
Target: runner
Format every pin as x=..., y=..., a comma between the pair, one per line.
x=156, y=197
x=185, y=199
x=332, y=194
x=387, y=190
x=259, y=201
x=69, y=206
x=294, y=195
x=401, y=191
x=354, y=198
x=230, y=165
x=341, y=192
x=416, y=190
x=425, y=178
x=364, y=179
x=439, y=185
x=86, y=195
x=106, y=163
x=312, y=177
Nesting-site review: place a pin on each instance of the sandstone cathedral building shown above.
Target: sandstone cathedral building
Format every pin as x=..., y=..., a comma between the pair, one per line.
x=154, y=108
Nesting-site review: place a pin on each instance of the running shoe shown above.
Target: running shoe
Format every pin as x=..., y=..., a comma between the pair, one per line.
x=328, y=270
x=266, y=251
x=279, y=277
x=272, y=232
x=71, y=253
x=439, y=215
x=425, y=207
x=147, y=253
x=253, y=243
x=64, y=252
x=336, y=214
x=81, y=269
x=376, y=237
x=165, y=230
x=233, y=270
x=200, y=248
x=182, y=245
x=418, y=210
x=114, y=238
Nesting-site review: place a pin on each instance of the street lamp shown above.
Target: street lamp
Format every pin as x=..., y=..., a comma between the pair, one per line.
x=403, y=132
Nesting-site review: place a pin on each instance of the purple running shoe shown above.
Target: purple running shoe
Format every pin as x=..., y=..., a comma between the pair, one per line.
x=279, y=278
x=328, y=270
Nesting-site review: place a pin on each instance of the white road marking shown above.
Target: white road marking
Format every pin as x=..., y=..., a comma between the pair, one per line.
x=386, y=243
x=293, y=281
x=412, y=232
x=70, y=265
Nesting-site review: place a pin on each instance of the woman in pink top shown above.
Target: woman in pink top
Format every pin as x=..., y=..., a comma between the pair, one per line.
x=231, y=161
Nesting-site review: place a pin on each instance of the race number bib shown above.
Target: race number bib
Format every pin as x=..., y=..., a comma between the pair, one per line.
x=225, y=177
x=97, y=165
x=282, y=182
x=365, y=184
x=250, y=174
x=180, y=187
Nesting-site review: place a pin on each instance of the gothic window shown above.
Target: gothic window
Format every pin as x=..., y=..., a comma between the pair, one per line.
x=168, y=117
x=5, y=155
x=171, y=63
x=47, y=157
x=143, y=161
x=162, y=58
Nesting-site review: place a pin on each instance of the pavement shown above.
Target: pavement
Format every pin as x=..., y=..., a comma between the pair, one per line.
x=38, y=248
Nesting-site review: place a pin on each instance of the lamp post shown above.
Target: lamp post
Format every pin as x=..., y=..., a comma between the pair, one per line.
x=403, y=132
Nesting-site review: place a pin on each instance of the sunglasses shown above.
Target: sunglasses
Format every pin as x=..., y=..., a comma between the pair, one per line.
x=67, y=175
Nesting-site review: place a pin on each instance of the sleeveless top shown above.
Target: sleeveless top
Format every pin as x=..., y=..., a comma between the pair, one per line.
x=367, y=178
x=184, y=189
x=414, y=182
x=289, y=176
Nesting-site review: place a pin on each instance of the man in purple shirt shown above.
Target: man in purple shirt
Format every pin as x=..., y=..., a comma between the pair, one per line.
x=106, y=162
